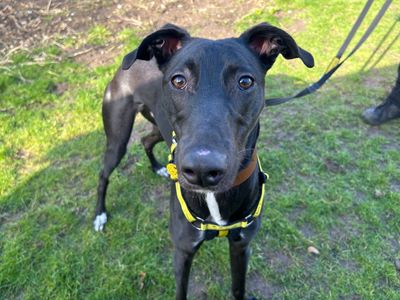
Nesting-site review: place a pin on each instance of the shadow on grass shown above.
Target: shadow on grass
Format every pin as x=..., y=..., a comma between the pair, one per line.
x=47, y=223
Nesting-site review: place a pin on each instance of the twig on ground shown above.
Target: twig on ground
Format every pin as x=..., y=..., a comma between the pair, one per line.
x=59, y=45
x=6, y=59
x=5, y=68
x=23, y=79
x=7, y=10
x=111, y=48
x=80, y=53
x=53, y=73
x=14, y=19
x=131, y=21
x=48, y=6
x=39, y=63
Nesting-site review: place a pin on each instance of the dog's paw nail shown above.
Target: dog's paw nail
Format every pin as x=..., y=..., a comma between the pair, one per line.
x=100, y=221
x=163, y=172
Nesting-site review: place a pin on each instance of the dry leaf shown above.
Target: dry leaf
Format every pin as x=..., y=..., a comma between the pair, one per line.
x=142, y=276
x=312, y=250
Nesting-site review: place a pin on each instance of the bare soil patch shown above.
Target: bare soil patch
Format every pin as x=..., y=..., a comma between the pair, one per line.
x=259, y=285
x=28, y=24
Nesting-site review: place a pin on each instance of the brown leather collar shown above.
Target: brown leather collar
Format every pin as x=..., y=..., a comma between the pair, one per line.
x=246, y=172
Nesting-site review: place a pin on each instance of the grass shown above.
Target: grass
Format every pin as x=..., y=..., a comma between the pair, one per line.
x=334, y=180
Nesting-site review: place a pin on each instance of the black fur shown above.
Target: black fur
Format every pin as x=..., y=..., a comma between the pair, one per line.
x=216, y=121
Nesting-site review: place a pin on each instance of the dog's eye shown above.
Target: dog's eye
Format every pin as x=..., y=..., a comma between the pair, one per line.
x=245, y=82
x=179, y=82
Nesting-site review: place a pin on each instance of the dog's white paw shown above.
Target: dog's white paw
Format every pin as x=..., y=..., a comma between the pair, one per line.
x=100, y=221
x=163, y=172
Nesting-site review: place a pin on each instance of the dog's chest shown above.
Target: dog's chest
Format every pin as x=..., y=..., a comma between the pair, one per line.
x=213, y=208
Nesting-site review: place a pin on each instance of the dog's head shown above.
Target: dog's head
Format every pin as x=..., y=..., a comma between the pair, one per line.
x=213, y=94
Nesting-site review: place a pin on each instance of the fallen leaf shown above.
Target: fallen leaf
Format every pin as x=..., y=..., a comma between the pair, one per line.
x=312, y=250
x=142, y=276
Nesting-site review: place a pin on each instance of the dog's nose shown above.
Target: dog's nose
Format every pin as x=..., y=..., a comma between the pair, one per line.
x=203, y=167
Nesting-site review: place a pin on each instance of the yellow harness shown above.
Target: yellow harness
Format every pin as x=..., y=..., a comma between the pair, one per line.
x=199, y=223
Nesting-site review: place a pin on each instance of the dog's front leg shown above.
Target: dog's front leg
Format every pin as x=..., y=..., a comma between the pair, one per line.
x=239, y=256
x=187, y=240
x=182, y=264
x=239, y=250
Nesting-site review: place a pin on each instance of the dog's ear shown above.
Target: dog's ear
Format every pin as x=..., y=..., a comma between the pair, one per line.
x=129, y=59
x=161, y=44
x=268, y=42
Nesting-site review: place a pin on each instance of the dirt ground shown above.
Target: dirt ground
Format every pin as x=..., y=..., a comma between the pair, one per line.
x=28, y=24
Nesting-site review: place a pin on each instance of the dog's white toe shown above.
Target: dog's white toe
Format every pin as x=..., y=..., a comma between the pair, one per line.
x=163, y=172
x=100, y=221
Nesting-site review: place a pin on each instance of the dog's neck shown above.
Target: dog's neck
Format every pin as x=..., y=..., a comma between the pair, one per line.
x=250, y=146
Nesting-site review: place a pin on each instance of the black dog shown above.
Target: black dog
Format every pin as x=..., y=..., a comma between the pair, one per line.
x=210, y=94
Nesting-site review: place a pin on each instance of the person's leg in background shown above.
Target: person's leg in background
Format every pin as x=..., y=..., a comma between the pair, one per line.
x=387, y=110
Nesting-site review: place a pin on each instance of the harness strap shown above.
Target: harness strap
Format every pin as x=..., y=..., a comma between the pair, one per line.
x=223, y=230
x=185, y=209
x=213, y=229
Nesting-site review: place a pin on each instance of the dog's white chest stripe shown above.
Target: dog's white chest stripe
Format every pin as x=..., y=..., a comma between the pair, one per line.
x=214, y=209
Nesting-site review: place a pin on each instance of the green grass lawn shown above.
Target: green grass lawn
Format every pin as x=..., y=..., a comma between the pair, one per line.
x=335, y=182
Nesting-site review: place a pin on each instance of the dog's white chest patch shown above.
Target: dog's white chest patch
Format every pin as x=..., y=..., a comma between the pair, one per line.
x=214, y=209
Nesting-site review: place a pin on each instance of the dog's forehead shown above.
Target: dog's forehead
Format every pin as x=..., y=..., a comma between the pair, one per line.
x=216, y=53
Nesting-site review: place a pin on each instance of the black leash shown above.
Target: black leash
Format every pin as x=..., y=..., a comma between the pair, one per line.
x=381, y=42
x=336, y=61
x=384, y=52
